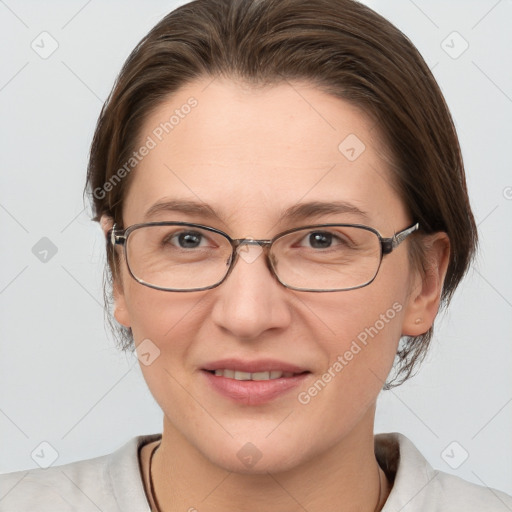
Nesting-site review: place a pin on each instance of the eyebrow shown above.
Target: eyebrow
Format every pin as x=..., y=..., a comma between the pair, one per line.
x=298, y=212
x=181, y=206
x=311, y=209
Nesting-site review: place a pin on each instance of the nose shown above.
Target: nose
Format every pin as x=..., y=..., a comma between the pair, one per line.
x=251, y=301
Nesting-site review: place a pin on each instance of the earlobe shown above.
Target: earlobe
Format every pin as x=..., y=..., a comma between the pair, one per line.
x=120, y=310
x=425, y=294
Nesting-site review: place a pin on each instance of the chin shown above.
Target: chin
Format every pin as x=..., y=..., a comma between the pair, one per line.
x=254, y=457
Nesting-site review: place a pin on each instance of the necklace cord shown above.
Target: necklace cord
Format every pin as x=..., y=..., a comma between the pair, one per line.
x=151, y=485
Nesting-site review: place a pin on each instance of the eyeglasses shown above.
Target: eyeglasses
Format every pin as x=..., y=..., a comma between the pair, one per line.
x=183, y=257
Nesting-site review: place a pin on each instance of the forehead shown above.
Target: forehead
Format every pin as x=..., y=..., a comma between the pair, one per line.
x=250, y=153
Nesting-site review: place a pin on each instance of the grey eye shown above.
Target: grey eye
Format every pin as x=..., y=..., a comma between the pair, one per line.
x=320, y=240
x=184, y=240
x=189, y=240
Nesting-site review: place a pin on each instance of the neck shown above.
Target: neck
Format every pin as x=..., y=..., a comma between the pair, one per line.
x=347, y=474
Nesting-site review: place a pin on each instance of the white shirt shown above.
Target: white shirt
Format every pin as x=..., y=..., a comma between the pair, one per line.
x=113, y=483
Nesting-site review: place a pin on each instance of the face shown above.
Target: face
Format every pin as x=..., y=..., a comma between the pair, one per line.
x=249, y=155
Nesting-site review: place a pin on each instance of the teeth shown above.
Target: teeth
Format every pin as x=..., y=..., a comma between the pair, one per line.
x=238, y=375
x=261, y=376
x=242, y=375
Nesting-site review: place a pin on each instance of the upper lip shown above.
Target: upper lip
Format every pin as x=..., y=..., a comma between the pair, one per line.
x=259, y=365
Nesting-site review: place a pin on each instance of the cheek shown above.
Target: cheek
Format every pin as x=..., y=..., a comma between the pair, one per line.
x=359, y=331
x=371, y=312
x=161, y=316
x=164, y=327
x=369, y=347
x=363, y=330
x=360, y=355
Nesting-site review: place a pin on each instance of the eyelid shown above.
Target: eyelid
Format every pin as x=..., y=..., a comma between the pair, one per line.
x=206, y=236
x=303, y=237
x=341, y=236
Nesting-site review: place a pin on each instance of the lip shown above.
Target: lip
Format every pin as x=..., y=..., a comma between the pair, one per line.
x=253, y=392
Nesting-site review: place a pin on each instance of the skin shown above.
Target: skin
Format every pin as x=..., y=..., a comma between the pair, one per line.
x=249, y=153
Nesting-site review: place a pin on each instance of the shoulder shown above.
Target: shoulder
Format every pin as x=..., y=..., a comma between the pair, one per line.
x=451, y=489
x=55, y=488
x=417, y=486
x=110, y=482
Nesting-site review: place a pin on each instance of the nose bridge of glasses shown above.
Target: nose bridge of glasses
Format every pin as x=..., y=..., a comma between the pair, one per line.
x=250, y=241
x=241, y=249
x=239, y=242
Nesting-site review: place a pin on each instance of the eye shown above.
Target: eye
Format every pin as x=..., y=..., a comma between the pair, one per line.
x=187, y=239
x=320, y=240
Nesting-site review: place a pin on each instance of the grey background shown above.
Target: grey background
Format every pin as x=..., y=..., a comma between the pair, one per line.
x=63, y=381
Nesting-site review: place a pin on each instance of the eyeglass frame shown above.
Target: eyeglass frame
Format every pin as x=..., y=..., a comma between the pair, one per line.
x=387, y=245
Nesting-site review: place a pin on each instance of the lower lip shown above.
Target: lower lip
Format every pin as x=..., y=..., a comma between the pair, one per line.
x=253, y=392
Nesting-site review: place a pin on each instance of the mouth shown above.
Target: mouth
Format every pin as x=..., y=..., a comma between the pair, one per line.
x=253, y=382
x=263, y=375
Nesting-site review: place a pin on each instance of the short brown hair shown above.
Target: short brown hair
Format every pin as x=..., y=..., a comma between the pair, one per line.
x=340, y=46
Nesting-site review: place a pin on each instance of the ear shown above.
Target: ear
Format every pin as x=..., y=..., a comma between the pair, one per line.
x=120, y=311
x=426, y=287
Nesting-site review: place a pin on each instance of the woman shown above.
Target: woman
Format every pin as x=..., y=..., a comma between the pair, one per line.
x=283, y=198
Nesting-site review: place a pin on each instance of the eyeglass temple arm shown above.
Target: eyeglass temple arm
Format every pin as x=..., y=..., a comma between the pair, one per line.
x=388, y=244
x=114, y=238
